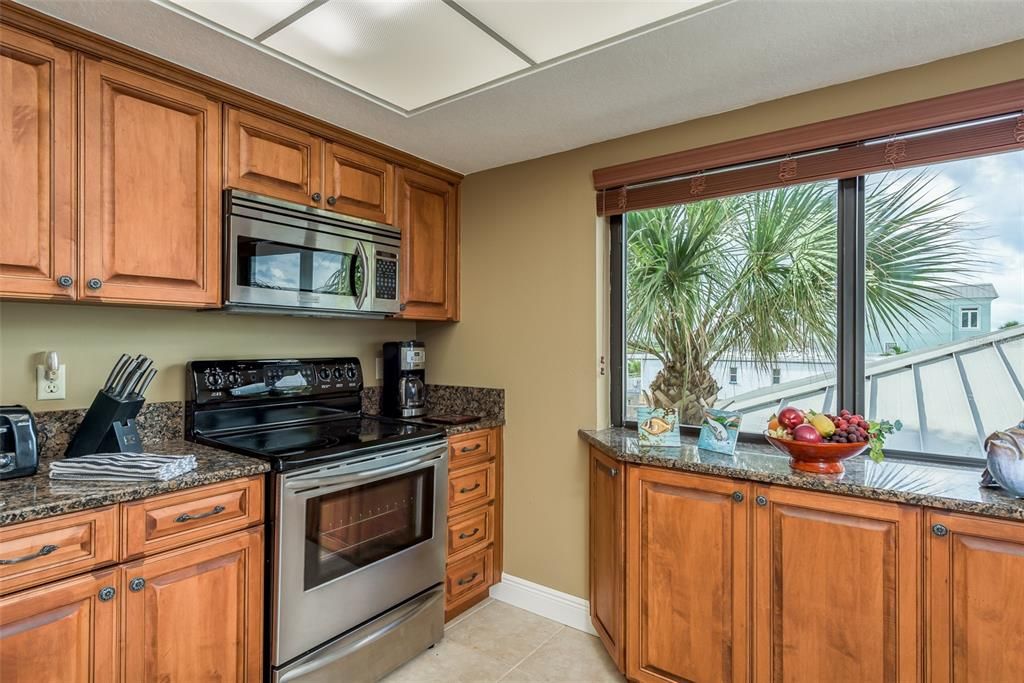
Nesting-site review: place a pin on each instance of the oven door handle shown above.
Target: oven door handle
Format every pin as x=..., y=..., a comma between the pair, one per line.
x=304, y=484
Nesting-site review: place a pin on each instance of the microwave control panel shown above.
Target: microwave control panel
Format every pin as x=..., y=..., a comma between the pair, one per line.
x=386, y=276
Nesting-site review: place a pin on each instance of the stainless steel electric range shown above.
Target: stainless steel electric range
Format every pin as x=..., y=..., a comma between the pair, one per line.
x=356, y=511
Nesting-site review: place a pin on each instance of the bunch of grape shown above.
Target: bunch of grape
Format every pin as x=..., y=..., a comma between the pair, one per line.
x=849, y=428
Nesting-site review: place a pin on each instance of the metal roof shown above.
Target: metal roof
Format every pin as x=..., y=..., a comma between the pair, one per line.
x=949, y=397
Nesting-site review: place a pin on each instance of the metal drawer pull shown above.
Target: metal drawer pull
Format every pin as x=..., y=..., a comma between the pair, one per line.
x=94, y=283
x=612, y=471
x=107, y=594
x=136, y=584
x=470, y=449
x=761, y=500
x=45, y=550
x=185, y=517
x=474, y=487
x=332, y=201
x=469, y=535
x=468, y=579
x=737, y=496
x=939, y=530
x=65, y=281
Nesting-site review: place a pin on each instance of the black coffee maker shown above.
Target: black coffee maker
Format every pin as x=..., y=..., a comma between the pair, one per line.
x=405, y=384
x=19, y=449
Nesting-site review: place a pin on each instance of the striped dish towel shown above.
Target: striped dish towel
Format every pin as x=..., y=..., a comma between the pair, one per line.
x=122, y=467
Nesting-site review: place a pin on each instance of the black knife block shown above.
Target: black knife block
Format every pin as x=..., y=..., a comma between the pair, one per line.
x=108, y=427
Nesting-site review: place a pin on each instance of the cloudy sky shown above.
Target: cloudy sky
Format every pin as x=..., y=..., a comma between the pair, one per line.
x=992, y=191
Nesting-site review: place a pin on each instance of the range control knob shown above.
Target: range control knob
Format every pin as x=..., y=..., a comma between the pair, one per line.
x=324, y=374
x=351, y=372
x=338, y=374
x=233, y=378
x=214, y=379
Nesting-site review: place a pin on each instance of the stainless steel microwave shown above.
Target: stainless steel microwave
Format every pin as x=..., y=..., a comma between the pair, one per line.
x=281, y=257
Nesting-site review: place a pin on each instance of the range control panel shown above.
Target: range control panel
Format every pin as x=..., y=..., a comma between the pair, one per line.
x=245, y=379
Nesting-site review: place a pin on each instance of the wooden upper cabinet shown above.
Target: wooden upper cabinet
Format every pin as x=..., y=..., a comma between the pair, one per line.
x=150, y=190
x=195, y=614
x=608, y=553
x=270, y=158
x=427, y=215
x=359, y=184
x=975, y=586
x=687, y=587
x=66, y=631
x=837, y=584
x=36, y=168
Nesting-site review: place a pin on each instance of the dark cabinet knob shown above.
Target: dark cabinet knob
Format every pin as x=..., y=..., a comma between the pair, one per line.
x=316, y=196
x=65, y=281
x=737, y=496
x=939, y=530
x=94, y=283
x=761, y=500
x=332, y=201
x=107, y=594
x=136, y=584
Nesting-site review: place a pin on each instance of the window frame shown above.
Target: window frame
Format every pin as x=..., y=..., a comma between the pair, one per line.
x=850, y=323
x=969, y=310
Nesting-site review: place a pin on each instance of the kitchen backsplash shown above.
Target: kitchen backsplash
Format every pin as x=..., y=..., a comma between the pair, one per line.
x=162, y=420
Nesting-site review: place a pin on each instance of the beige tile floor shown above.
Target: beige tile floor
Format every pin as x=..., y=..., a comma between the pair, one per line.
x=498, y=642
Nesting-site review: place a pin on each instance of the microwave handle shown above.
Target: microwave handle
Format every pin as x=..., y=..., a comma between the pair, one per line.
x=365, y=261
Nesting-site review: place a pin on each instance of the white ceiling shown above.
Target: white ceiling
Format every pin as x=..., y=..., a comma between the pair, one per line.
x=474, y=84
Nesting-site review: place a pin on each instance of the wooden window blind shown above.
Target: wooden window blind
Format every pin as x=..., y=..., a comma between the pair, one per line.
x=1000, y=128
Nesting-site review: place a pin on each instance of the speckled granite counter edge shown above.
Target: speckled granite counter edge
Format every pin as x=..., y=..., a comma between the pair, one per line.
x=38, y=497
x=996, y=504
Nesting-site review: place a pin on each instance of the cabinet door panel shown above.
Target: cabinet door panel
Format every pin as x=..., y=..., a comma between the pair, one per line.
x=837, y=582
x=975, y=575
x=273, y=159
x=36, y=168
x=686, y=593
x=151, y=166
x=198, y=616
x=608, y=553
x=427, y=217
x=62, y=632
x=361, y=185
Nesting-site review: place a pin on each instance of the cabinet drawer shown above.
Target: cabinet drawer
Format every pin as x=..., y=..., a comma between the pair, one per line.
x=468, y=578
x=466, y=447
x=471, y=486
x=175, y=519
x=470, y=531
x=50, y=549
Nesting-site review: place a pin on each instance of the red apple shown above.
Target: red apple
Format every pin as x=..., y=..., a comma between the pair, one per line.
x=806, y=433
x=791, y=418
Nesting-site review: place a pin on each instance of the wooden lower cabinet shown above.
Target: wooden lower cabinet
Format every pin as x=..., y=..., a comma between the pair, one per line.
x=975, y=589
x=608, y=554
x=65, y=632
x=474, y=558
x=837, y=588
x=687, y=577
x=195, y=614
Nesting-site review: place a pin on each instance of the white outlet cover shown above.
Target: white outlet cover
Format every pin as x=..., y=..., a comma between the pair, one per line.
x=51, y=390
x=380, y=367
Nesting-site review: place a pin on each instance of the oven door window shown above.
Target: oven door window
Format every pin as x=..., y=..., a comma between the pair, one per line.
x=266, y=264
x=355, y=527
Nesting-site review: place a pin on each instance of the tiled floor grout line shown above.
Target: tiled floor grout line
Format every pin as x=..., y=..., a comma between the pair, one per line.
x=532, y=652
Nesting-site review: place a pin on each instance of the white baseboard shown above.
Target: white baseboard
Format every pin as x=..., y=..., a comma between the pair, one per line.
x=547, y=602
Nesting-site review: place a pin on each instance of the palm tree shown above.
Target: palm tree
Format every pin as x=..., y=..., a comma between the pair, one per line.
x=754, y=276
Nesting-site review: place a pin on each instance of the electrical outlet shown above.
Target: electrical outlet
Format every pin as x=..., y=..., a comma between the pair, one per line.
x=50, y=389
x=380, y=368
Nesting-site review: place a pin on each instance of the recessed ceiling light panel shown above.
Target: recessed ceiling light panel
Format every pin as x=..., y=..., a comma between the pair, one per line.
x=249, y=18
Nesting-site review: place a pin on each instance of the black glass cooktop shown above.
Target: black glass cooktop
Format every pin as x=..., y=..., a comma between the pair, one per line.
x=300, y=445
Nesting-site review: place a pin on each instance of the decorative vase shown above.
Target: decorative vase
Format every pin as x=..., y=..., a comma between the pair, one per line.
x=1005, y=459
x=658, y=427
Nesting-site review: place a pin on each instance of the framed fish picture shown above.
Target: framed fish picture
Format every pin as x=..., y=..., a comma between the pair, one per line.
x=719, y=431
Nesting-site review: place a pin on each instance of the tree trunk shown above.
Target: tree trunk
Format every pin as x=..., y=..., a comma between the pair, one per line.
x=691, y=391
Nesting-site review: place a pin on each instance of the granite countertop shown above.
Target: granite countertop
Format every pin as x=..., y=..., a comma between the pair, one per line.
x=486, y=422
x=38, y=496
x=944, y=487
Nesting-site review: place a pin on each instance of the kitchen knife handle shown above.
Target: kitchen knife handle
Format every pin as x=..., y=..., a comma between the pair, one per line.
x=45, y=550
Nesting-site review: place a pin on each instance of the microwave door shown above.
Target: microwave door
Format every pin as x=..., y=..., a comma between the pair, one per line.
x=278, y=265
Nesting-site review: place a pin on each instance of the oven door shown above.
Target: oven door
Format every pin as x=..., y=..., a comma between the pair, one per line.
x=271, y=264
x=355, y=538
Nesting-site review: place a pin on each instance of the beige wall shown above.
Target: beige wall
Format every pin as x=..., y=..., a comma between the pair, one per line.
x=90, y=338
x=534, y=267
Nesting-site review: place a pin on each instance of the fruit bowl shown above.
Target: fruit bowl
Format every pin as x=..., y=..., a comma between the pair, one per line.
x=817, y=458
